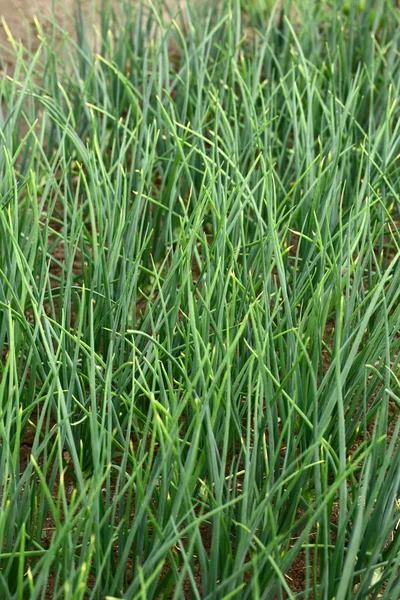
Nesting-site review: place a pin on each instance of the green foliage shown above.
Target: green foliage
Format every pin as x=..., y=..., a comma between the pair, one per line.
x=199, y=315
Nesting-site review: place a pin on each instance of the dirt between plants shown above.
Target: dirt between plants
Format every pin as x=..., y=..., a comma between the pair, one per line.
x=20, y=16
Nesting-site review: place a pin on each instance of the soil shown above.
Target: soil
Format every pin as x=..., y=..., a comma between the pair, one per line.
x=20, y=18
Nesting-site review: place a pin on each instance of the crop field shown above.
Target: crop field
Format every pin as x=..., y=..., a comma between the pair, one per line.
x=200, y=303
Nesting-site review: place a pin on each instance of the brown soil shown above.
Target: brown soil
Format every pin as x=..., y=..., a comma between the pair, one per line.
x=21, y=18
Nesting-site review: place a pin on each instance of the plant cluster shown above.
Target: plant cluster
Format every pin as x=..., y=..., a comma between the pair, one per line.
x=199, y=304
